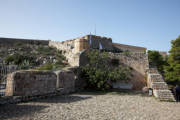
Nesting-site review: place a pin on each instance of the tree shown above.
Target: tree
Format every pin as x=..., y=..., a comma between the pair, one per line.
x=156, y=59
x=100, y=72
x=172, y=71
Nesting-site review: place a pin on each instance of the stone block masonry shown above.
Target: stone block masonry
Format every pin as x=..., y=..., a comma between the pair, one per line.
x=65, y=81
x=30, y=83
x=139, y=64
x=159, y=86
x=11, y=41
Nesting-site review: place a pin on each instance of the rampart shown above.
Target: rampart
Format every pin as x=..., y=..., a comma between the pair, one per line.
x=13, y=41
x=129, y=48
x=138, y=62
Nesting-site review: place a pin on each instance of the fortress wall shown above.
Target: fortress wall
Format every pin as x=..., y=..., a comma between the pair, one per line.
x=70, y=50
x=13, y=41
x=81, y=44
x=139, y=64
x=96, y=40
x=129, y=48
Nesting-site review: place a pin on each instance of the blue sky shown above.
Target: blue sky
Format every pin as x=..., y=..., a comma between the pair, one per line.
x=148, y=23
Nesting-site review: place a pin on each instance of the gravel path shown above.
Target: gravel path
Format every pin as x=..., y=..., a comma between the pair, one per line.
x=88, y=106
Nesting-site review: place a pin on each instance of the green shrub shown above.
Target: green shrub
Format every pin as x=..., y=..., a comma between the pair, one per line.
x=126, y=52
x=156, y=59
x=18, y=59
x=172, y=70
x=47, y=66
x=99, y=73
x=46, y=50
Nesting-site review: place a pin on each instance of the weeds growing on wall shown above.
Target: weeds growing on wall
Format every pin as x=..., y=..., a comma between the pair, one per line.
x=100, y=73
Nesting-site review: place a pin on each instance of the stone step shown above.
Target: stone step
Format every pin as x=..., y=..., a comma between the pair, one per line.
x=164, y=95
x=153, y=70
x=159, y=86
x=156, y=78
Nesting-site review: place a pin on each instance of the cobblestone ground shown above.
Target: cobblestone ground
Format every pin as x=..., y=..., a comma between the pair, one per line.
x=88, y=106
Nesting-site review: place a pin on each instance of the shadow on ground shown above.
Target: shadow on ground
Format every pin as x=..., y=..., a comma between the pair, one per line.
x=114, y=92
x=63, y=99
x=15, y=110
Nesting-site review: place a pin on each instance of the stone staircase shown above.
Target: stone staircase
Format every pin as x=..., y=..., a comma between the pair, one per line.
x=159, y=86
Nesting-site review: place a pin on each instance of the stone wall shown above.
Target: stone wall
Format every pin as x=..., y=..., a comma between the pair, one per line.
x=129, y=48
x=30, y=83
x=73, y=48
x=69, y=51
x=138, y=62
x=65, y=81
x=11, y=41
x=95, y=42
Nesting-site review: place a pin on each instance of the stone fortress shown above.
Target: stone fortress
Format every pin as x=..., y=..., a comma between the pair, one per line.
x=132, y=56
x=137, y=59
x=73, y=48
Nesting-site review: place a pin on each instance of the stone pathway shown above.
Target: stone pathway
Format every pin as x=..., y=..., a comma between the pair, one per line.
x=90, y=106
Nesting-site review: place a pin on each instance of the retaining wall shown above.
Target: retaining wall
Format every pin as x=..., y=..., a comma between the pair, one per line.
x=30, y=83
x=65, y=81
x=139, y=64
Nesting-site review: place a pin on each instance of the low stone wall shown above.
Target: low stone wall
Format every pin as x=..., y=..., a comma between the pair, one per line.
x=30, y=83
x=65, y=81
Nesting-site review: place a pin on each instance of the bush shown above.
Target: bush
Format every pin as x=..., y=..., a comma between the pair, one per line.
x=99, y=73
x=18, y=59
x=47, y=66
x=46, y=50
x=156, y=59
x=172, y=70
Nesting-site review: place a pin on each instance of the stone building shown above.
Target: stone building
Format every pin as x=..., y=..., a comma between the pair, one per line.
x=73, y=48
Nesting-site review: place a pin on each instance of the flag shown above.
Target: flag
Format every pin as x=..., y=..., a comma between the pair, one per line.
x=90, y=39
x=100, y=45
